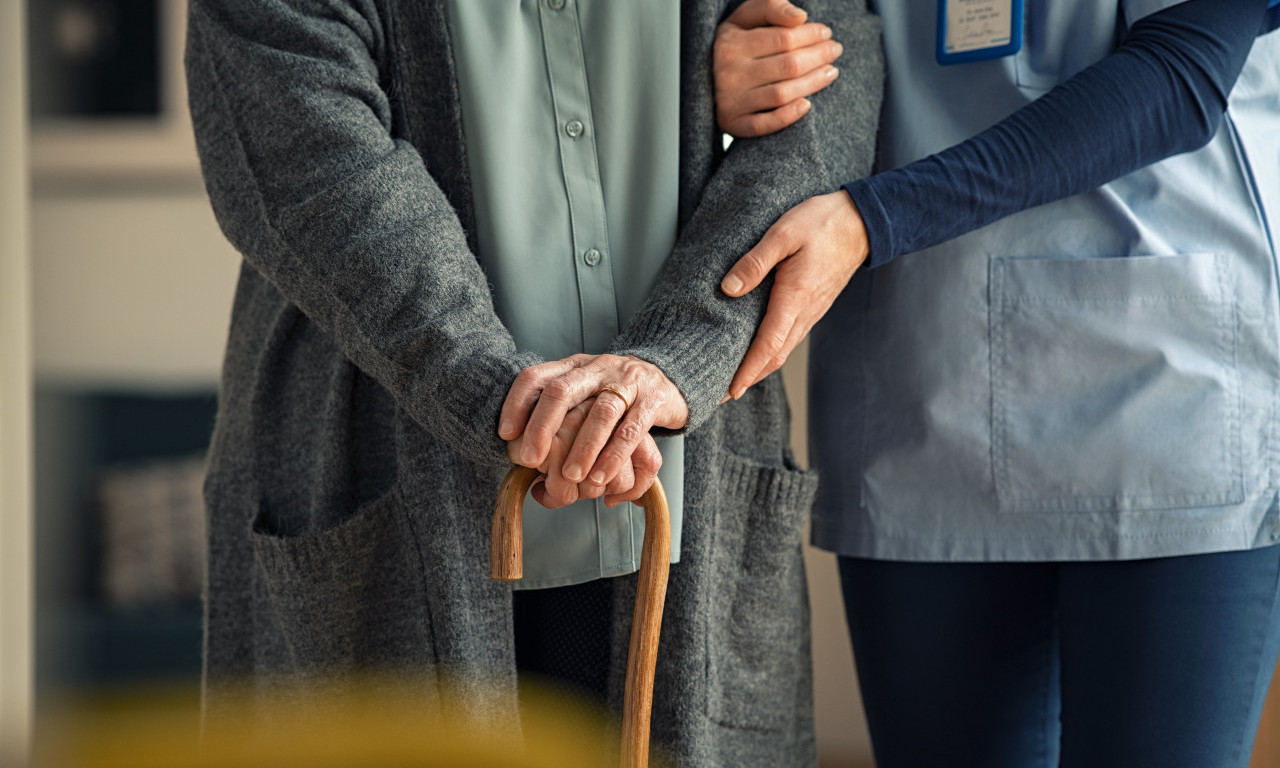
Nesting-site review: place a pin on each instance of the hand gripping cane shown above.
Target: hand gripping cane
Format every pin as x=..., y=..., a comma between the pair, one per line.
x=506, y=563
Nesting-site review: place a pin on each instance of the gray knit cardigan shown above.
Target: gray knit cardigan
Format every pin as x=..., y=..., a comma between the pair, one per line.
x=355, y=457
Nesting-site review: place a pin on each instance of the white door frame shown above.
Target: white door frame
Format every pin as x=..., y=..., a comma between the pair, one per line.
x=16, y=538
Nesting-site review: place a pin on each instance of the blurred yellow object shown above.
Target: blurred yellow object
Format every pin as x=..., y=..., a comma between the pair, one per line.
x=348, y=726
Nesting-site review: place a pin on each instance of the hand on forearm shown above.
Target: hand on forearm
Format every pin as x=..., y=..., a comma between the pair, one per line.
x=815, y=247
x=767, y=60
x=561, y=412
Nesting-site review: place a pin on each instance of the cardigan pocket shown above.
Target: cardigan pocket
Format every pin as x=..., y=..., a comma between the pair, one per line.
x=1114, y=384
x=349, y=598
x=758, y=635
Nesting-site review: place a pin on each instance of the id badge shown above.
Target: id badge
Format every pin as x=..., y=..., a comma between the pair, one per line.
x=975, y=30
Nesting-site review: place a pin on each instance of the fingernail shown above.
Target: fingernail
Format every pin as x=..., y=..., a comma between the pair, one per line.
x=506, y=427
x=573, y=472
x=736, y=393
x=725, y=399
x=826, y=33
x=732, y=284
x=805, y=106
x=794, y=11
x=598, y=478
x=527, y=455
x=839, y=50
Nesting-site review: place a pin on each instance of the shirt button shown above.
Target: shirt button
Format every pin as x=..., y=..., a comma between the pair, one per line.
x=574, y=128
x=592, y=257
x=555, y=5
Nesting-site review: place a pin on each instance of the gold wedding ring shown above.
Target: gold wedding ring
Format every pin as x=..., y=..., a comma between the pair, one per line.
x=626, y=404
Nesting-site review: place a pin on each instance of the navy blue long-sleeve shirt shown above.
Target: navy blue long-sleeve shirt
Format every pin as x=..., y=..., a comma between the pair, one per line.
x=1162, y=92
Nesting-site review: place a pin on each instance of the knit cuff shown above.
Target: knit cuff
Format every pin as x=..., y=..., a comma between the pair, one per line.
x=470, y=399
x=684, y=357
x=876, y=221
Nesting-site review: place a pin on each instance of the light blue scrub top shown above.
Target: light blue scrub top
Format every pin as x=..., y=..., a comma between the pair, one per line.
x=1093, y=379
x=571, y=121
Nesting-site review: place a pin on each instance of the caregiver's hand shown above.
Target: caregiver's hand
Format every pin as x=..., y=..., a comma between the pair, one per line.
x=631, y=397
x=766, y=61
x=553, y=491
x=816, y=247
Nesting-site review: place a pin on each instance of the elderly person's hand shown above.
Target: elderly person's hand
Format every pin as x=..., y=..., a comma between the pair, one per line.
x=604, y=405
x=551, y=490
x=816, y=247
x=766, y=60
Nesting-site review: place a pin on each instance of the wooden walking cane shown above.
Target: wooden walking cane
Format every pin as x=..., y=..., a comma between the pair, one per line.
x=506, y=563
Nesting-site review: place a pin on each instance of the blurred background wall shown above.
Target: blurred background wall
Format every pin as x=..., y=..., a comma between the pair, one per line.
x=131, y=283
x=131, y=293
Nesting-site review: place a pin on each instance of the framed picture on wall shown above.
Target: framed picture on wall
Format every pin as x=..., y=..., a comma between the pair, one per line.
x=107, y=92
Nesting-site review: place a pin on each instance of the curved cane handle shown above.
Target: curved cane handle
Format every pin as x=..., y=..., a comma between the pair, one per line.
x=506, y=563
x=506, y=540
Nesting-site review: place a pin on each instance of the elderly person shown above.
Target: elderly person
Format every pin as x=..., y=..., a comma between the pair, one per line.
x=432, y=196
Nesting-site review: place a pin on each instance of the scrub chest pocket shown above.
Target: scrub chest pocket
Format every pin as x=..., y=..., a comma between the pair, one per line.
x=1114, y=384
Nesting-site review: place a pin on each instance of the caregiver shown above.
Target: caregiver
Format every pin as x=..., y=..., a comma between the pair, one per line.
x=1045, y=407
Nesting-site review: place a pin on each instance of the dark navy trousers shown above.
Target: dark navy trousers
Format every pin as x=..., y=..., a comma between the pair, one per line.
x=1126, y=664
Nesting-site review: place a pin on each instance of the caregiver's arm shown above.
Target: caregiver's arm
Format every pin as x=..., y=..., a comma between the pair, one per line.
x=1162, y=92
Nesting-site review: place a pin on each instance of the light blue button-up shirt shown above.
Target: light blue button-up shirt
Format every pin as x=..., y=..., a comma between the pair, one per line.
x=570, y=114
x=1090, y=379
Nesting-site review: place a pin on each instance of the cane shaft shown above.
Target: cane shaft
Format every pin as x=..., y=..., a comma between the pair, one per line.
x=646, y=626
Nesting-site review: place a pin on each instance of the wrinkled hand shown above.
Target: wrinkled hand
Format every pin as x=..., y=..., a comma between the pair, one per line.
x=816, y=247
x=551, y=400
x=553, y=491
x=766, y=60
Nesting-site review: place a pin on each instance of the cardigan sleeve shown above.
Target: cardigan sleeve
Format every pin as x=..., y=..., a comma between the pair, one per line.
x=293, y=125
x=688, y=327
